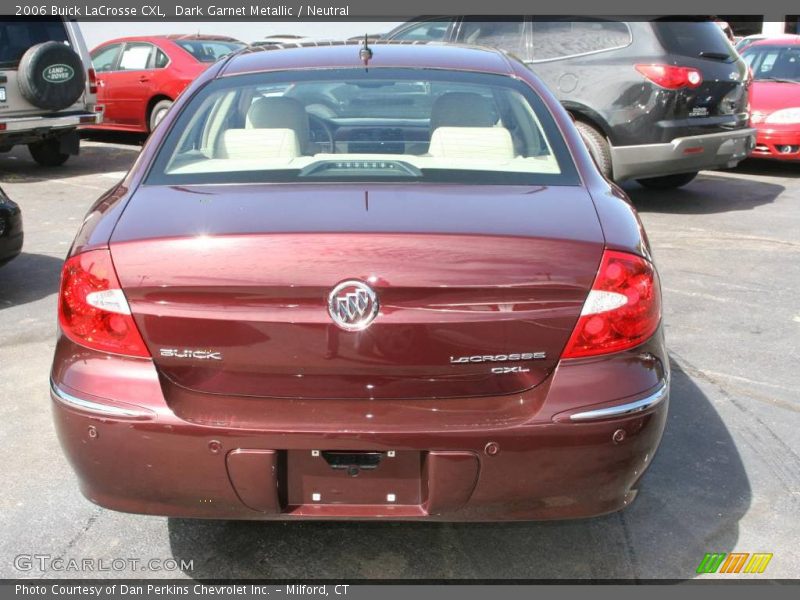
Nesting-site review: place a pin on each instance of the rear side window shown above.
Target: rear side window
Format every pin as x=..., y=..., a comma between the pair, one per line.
x=697, y=39
x=208, y=51
x=135, y=57
x=561, y=39
x=16, y=36
x=506, y=35
x=162, y=60
x=428, y=31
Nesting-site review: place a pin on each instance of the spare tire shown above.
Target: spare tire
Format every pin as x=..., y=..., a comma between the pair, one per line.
x=51, y=76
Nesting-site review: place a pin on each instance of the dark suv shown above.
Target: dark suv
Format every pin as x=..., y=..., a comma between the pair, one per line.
x=655, y=101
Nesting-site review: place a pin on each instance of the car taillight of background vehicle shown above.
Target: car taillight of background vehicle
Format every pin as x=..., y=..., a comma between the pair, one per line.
x=92, y=308
x=623, y=308
x=671, y=77
x=92, y=81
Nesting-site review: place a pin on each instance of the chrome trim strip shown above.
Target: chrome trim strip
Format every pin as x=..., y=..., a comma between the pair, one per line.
x=88, y=405
x=624, y=409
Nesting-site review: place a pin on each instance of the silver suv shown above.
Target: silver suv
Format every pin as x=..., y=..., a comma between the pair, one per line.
x=47, y=88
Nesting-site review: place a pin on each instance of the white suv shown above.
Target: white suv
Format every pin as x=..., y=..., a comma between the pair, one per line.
x=47, y=88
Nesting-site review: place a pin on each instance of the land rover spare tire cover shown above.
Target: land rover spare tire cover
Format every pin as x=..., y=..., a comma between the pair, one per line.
x=51, y=76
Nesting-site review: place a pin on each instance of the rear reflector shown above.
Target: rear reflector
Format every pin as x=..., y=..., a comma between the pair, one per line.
x=671, y=77
x=622, y=310
x=92, y=308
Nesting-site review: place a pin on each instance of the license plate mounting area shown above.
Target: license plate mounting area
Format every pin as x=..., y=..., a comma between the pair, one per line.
x=353, y=477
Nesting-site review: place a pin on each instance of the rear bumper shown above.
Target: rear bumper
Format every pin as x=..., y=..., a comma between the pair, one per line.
x=777, y=144
x=682, y=155
x=56, y=121
x=28, y=130
x=570, y=456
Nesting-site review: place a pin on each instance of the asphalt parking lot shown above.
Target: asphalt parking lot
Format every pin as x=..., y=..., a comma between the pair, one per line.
x=726, y=478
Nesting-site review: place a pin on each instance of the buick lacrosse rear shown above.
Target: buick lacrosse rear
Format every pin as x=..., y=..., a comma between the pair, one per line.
x=361, y=283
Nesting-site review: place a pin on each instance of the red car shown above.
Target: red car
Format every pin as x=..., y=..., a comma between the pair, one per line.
x=426, y=304
x=775, y=97
x=138, y=78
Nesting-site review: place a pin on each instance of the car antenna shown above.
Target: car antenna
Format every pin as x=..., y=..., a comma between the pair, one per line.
x=365, y=54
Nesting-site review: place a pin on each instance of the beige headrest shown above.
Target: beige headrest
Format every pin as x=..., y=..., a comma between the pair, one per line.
x=279, y=113
x=462, y=109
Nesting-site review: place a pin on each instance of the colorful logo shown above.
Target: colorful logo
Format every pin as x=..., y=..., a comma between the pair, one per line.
x=735, y=562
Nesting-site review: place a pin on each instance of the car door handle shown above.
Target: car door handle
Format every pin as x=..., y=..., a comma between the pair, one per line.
x=144, y=79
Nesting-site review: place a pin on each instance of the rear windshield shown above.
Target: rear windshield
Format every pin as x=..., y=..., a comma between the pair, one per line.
x=379, y=125
x=698, y=39
x=209, y=50
x=16, y=36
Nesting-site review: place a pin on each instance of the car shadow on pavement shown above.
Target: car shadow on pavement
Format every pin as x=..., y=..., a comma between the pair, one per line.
x=115, y=137
x=769, y=168
x=711, y=192
x=690, y=503
x=28, y=278
x=17, y=166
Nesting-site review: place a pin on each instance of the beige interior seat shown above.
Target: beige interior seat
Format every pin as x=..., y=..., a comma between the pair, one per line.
x=464, y=125
x=490, y=143
x=246, y=144
x=274, y=128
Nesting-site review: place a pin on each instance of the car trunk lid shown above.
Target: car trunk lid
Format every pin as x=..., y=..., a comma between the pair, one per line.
x=479, y=286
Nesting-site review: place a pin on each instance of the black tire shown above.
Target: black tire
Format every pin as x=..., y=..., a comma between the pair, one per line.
x=48, y=153
x=51, y=76
x=158, y=112
x=667, y=182
x=598, y=147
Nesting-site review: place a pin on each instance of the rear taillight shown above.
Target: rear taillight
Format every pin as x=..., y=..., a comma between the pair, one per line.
x=622, y=310
x=671, y=77
x=92, y=81
x=93, y=310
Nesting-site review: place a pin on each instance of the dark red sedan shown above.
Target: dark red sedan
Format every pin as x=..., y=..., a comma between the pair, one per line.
x=775, y=97
x=138, y=78
x=422, y=302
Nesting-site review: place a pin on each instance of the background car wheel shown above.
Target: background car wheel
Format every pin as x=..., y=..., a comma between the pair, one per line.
x=158, y=112
x=48, y=153
x=667, y=182
x=51, y=76
x=598, y=146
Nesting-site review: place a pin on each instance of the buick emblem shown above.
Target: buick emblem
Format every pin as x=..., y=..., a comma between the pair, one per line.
x=353, y=305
